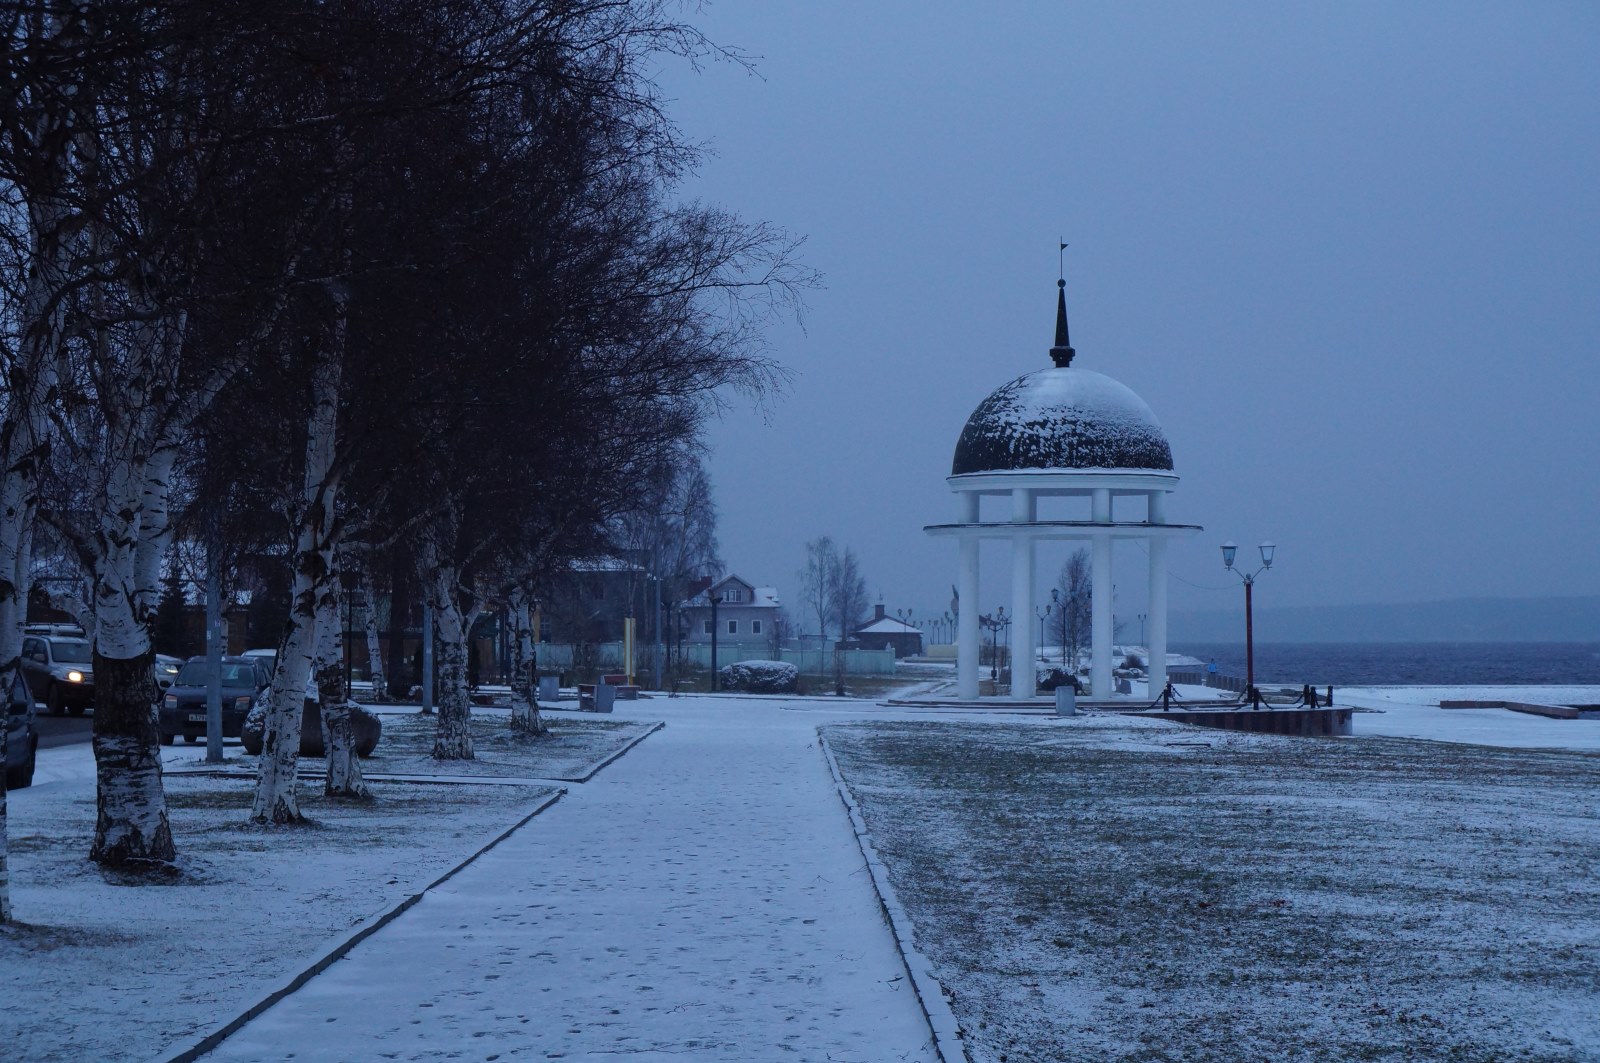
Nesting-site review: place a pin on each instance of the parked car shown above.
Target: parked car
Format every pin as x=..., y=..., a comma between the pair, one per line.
x=59, y=671
x=167, y=670
x=183, y=709
x=267, y=659
x=22, y=736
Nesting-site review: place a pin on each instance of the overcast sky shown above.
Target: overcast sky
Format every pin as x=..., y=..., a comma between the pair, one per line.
x=1348, y=253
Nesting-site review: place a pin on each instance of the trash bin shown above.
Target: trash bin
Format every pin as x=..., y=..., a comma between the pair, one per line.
x=1066, y=700
x=605, y=697
x=549, y=686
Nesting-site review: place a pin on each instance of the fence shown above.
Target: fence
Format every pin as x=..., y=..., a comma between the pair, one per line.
x=607, y=656
x=1204, y=679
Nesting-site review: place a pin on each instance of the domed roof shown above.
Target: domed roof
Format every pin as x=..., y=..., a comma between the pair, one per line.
x=1062, y=418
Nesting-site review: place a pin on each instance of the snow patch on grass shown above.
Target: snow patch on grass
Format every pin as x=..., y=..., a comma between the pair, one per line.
x=1115, y=889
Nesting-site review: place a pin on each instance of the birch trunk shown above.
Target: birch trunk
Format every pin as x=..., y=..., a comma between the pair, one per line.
x=525, y=718
x=131, y=827
x=453, y=739
x=276, y=800
x=338, y=740
x=5, y=862
x=30, y=383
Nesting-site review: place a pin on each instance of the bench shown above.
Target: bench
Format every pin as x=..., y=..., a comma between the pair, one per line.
x=625, y=690
x=596, y=697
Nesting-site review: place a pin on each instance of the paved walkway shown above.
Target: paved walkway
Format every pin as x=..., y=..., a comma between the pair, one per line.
x=701, y=899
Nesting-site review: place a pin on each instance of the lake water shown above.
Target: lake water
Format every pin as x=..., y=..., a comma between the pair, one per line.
x=1410, y=663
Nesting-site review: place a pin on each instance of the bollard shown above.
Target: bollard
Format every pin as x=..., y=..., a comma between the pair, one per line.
x=1066, y=700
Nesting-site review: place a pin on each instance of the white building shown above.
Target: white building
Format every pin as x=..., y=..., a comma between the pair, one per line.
x=745, y=612
x=1061, y=433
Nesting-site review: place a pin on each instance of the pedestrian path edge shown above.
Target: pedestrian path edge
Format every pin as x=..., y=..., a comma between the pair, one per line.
x=930, y=993
x=366, y=930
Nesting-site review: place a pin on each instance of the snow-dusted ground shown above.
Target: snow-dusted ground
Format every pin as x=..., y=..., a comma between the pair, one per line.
x=150, y=966
x=1111, y=888
x=701, y=899
x=1413, y=712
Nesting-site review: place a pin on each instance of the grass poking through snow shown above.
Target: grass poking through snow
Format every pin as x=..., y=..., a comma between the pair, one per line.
x=1110, y=889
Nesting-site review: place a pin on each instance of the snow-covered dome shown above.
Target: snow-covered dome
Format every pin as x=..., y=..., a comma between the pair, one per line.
x=1062, y=418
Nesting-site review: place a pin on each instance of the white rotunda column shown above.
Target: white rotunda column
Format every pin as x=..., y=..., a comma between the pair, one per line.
x=1157, y=669
x=1100, y=617
x=1023, y=510
x=967, y=620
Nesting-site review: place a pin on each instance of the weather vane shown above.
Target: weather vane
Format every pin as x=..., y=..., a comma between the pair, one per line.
x=1061, y=259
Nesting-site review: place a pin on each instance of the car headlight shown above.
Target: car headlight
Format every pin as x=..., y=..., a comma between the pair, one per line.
x=74, y=676
x=172, y=701
x=243, y=703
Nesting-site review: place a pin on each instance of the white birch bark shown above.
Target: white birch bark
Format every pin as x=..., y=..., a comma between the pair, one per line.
x=338, y=739
x=5, y=857
x=131, y=826
x=453, y=739
x=525, y=718
x=23, y=449
x=276, y=799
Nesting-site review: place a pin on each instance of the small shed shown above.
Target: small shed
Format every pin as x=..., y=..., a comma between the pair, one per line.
x=889, y=633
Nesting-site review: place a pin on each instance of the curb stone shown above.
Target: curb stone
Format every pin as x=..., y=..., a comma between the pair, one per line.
x=947, y=1039
x=367, y=929
x=613, y=758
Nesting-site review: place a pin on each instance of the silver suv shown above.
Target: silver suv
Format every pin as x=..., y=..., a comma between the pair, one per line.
x=59, y=670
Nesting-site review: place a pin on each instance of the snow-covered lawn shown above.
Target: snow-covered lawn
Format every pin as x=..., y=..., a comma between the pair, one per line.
x=1107, y=888
x=103, y=970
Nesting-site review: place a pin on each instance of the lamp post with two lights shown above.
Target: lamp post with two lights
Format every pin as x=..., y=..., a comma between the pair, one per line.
x=1229, y=550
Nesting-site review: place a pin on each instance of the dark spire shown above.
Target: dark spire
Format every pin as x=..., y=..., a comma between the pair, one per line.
x=1062, y=352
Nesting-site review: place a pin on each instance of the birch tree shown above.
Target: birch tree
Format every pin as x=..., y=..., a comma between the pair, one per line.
x=36, y=127
x=1074, y=610
x=818, y=581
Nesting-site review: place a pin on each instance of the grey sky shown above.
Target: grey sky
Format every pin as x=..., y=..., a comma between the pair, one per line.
x=1349, y=254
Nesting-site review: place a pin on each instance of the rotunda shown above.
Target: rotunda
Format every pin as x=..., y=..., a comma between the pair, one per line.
x=1073, y=432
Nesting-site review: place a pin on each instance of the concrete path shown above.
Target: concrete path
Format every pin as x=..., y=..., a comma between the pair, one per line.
x=701, y=899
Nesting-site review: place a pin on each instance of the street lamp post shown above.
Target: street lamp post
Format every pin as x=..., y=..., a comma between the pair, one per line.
x=1141, y=628
x=1055, y=599
x=1228, y=552
x=1003, y=626
x=715, y=601
x=1042, y=615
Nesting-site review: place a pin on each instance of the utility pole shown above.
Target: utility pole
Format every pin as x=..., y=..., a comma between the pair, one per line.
x=427, y=658
x=213, y=655
x=660, y=643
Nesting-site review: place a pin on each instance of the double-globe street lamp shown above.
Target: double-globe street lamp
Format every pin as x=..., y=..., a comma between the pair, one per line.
x=994, y=623
x=1055, y=599
x=1043, y=615
x=1228, y=552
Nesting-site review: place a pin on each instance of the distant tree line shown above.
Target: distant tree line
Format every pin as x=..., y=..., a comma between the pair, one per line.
x=360, y=292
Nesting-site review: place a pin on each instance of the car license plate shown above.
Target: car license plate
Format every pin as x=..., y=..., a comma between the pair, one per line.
x=197, y=717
